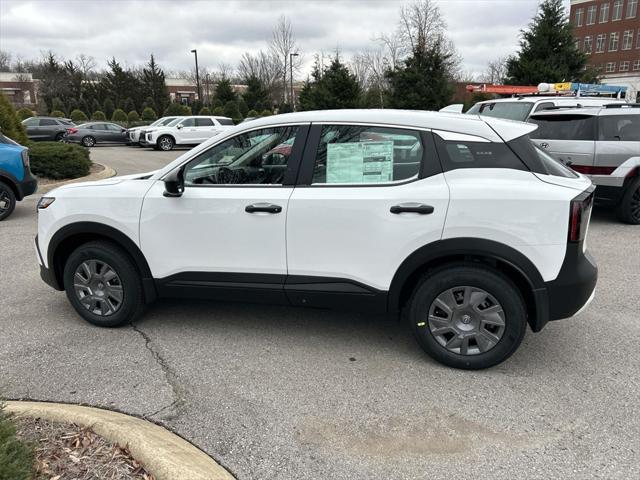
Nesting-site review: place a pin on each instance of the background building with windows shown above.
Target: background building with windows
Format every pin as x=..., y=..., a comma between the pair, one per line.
x=609, y=32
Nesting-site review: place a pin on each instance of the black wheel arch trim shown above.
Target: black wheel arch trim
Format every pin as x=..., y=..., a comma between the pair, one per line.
x=86, y=230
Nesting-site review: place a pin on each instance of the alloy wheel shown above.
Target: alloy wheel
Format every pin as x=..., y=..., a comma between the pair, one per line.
x=166, y=143
x=98, y=287
x=466, y=320
x=5, y=201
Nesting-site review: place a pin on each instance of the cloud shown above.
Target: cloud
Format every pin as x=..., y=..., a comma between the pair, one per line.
x=222, y=30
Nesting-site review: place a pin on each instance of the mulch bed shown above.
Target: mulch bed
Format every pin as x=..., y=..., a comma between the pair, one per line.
x=95, y=168
x=69, y=452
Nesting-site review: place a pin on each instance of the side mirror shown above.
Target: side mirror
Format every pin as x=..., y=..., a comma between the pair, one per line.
x=179, y=126
x=174, y=184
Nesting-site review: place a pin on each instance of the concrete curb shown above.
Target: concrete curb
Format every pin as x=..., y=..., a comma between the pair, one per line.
x=164, y=454
x=106, y=173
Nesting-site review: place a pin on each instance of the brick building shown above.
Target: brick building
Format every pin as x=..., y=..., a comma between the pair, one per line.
x=20, y=88
x=609, y=32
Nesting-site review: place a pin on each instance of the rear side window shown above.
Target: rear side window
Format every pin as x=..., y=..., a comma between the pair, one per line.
x=204, y=122
x=355, y=154
x=65, y=122
x=46, y=122
x=225, y=121
x=564, y=127
x=458, y=154
x=620, y=128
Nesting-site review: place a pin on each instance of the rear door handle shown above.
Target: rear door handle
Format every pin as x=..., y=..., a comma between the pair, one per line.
x=263, y=207
x=420, y=208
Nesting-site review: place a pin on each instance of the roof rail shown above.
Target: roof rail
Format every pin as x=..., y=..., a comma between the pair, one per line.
x=622, y=105
x=562, y=107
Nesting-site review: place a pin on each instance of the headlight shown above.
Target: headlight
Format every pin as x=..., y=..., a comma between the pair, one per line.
x=44, y=202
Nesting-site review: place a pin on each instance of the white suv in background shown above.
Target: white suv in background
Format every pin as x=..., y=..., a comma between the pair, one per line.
x=188, y=130
x=133, y=134
x=456, y=219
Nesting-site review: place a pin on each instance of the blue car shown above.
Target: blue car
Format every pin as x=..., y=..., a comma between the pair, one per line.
x=16, y=179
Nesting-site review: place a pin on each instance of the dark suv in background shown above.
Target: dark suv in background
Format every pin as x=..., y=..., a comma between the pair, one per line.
x=47, y=128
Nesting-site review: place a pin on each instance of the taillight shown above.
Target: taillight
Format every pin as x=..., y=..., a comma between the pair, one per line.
x=579, y=215
x=25, y=158
x=591, y=170
x=72, y=130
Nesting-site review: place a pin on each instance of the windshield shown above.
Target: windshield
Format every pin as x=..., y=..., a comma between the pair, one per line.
x=509, y=110
x=173, y=122
x=164, y=121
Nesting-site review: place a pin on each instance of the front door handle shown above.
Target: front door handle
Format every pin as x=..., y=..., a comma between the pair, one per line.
x=420, y=208
x=263, y=207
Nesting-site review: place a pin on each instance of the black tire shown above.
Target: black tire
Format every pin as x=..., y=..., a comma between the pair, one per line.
x=629, y=208
x=132, y=304
x=88, y=141
x=59, y=137
x=7, y=201
x=478, y=276
x=165, y=143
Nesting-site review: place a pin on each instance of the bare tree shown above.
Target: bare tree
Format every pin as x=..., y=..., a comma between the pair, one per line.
x=5, y=61
x=282, y=45
x=87, y=66
x=496, y=71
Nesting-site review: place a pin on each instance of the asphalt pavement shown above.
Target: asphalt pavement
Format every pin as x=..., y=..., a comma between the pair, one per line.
x=288, y=393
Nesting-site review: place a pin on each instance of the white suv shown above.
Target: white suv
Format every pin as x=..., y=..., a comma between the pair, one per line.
x=184, y=131
x=457, y=219
x=133, y=134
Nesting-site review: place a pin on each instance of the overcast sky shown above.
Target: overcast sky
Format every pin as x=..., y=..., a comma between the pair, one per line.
x=222, y=30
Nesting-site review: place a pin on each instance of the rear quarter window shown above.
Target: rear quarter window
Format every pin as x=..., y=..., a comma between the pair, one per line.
x=564, y=127
x=457, y=154
x=225, y=121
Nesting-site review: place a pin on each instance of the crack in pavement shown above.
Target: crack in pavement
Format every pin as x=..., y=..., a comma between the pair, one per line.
x=178, y=391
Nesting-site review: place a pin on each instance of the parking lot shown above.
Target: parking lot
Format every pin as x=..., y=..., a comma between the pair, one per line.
x=274, y=392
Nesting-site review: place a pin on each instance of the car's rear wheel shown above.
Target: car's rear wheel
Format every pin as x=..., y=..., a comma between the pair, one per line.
x=7, y=201
x=468, y=316
x=88, y=141
x=629, y=208
x=166, y=143
x=103, y=284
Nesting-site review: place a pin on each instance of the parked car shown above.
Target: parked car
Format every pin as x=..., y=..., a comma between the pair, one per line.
x=16, y=180
x=92, y=133
x=602, y=143
x=184, y=131
x=133, y=134
x=47, y=128
x=475, y=233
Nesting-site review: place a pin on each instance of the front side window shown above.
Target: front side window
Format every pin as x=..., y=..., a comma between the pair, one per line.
x=604, y=13
x=613, y=41
x=617, y=10
x=189, y=122
x=627, y=40
x=579, y=17
x=621, y=128
x=357, y=154
x=259, y=157
x=601, y=40
x=47, y=122
x=114, y=128
x=591, y=15
x=632, y=8
x=564, y=127
x=162, y=122
x=31, y=122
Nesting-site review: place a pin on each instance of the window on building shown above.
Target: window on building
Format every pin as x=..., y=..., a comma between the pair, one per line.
x=611, y=67
x=614, y=39
x=601, y=41
x=638, y=41
x=604, y=13
x=636, y=65
x=624, y=66
x=617, y=11
x=632, y=8
x=627, y=40
x=591, y=14
x=588, y=44
x=579, y=17
x=576, y=42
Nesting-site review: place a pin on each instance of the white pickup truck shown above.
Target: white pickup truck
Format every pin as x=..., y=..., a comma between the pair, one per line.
x=191, y=130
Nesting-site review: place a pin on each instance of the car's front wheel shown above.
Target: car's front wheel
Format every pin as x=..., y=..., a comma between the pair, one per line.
x=103, y=284
x=166, y=143
x=59, y=137
x=468, y=316
x=7, y=201
x=88, y=141
x=629, y=208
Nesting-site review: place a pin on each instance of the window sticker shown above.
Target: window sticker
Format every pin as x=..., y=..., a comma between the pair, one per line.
x=368, y=162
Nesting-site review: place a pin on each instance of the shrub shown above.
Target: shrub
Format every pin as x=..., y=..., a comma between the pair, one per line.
x=149, y=114
x=266, y=113
x=218, y=111
x=133, y=116
x=10, y=123
x=57, y=113
x=242, y=107
x=59, y=160
x=173, y=109
x=119, y=115
x=204, y=111
x=231, y=111
x=98, y=115
x=16, y=458
x=78, y=116
x=108, y=107
x=24, y=113
x=252, y=113
x=185, y=110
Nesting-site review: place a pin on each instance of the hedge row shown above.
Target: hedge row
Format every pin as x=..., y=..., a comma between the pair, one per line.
x=59, y=160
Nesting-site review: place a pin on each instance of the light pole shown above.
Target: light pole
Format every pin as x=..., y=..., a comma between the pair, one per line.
x=206, y=87
x=293, y=100
x=195, y=52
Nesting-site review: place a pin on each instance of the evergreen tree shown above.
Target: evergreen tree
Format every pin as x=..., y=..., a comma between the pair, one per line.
x=256, y=94
x=173, y=109
x=108, y=107
x=185, y=110
x=204, y=111
x=154, y=86
x=82, y=105
x=57, y=104
x=224, y=91
x=422, y=82
x=335, y=87
x=95, y=105
x=119, y=116
x=242, y=106
x=118, y=84
x=132, y=117
x=78, y=116
x=218, y=111
x=547, y=50
x=149, y=114
x=129, y=105
x=10, y=123
x=231, y=111
x=98, y=115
